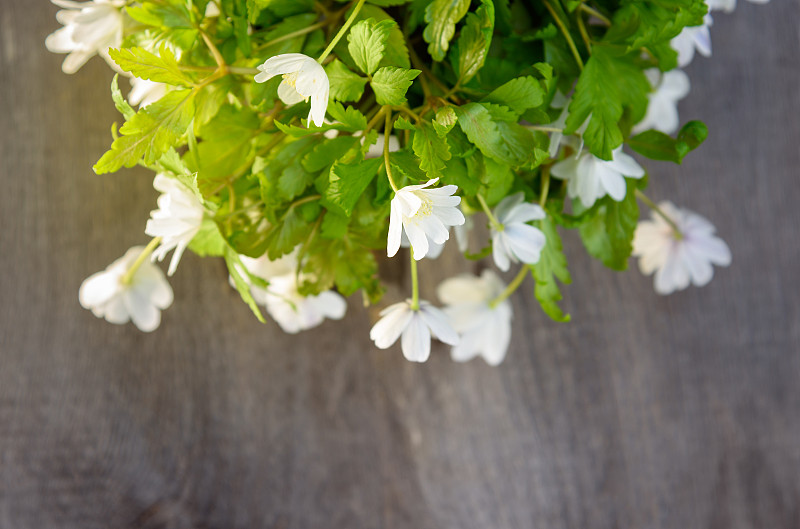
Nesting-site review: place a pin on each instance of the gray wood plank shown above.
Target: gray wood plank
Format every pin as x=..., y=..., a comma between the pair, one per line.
x=644, y=412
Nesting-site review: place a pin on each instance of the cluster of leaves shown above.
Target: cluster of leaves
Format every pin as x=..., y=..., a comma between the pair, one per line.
x=462, y=84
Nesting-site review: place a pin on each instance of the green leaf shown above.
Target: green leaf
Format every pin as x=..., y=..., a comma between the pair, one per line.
x=552, y=265
x=333, y=226
x=390, y=84
x=609, y=82
x=124, y=108
x=432, y=150
x=150, y=132
x=403, y=124
x=658, y=146
x=345, y=85
x=474, y=41
x=161, y=68
x=442, y=17
x=208, y=242
x=293, y=181
x=609, y=235
x=348, y=182
x=162, y=14
x=518, y=94
x=476, y=122
x=349, y=118
x=445, y=120
x=325, y=154
x=292, y=230
x=236, y=269
x=366, y=42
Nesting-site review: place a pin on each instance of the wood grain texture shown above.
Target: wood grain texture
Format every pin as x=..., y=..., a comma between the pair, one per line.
x=645, y=412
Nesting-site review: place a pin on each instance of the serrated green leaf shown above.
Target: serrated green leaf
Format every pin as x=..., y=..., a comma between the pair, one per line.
x=476, y=122
x=161, y=68
x=390, y=84
x=348, y=182
x=366, y=42
x=124, y=108
x=149, y=133
x=208, y=242
x=445, y=120
x=658, y=146
x=403, y=124
x=518, y=94
x=609, y=82
x=292, y=230
x=328, y=152
x=349, y=118
x=431, y=149
x=345, y=85
x=474, y=41
x=609, y=235
x=442, y=17
x=552, y=265
x=334, y=226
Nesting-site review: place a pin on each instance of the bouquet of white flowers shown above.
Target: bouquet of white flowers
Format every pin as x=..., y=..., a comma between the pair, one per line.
x=297, y=139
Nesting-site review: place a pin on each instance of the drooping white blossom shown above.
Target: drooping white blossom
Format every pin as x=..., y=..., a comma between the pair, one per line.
x=140, y=300
x=284, y=303
x=693, y=38
x=303, y=78
x=424, y=215
x=462, y=232
x=484, y=330
x=416, y=328
x=376, y=149
x=295, y=312
x=177, y=219
x=678, y=260
x=728, y=5
x=590, y=178
x=557, y=136
x=662, y=108
x=515, y=240
x=145, y=92
x=90, y=28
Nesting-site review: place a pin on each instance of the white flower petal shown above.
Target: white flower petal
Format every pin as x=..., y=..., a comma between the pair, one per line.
x=416, y=340
x=394, y=320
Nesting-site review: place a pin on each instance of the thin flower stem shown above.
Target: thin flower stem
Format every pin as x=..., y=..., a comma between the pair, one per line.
x=342, y=31
x=595, y=13
x=128, y=277
x=652, y=205
x=374, y=120
x=584, y=35
x=293, y=34
x=542, y=128
x=408, y=111
x=414, y=281
x=387, y=130
x=511, y=288
x=214, y=52
x=492, y=218
x=565, y=32
x=545, y=186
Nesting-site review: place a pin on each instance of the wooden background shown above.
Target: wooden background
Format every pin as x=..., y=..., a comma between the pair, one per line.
x=646, y=412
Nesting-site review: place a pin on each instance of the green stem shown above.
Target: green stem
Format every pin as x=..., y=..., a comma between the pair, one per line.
x=387, y=131
x=543, y=128
x=584, y=34
x=652, y=205
x=293, y=34
x=545, y=186
x=128, y=277
x=492, y=219
x=511, y=288
x=595, y=13
x=342, y=31
x=565, y=32
x=414, y=281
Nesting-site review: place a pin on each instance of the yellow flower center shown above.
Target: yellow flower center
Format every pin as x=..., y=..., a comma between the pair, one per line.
x=426, y=208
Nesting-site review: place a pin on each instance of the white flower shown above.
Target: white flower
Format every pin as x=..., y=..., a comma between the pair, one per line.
x=591, y=178
x=462, y=233
x=678, y=261
x=484, y=330
x=145, y=92
x=662, y=109
x=292, y=311
x=693, y=38
x=728, y=5
x=295, y=312
x=177, y=219
x=141, y=300
x=303, y=77
x=557, y=137
x=515, y=240
x=89, y=28
x=376, y=149
x=415, y=326
x=423, y=214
